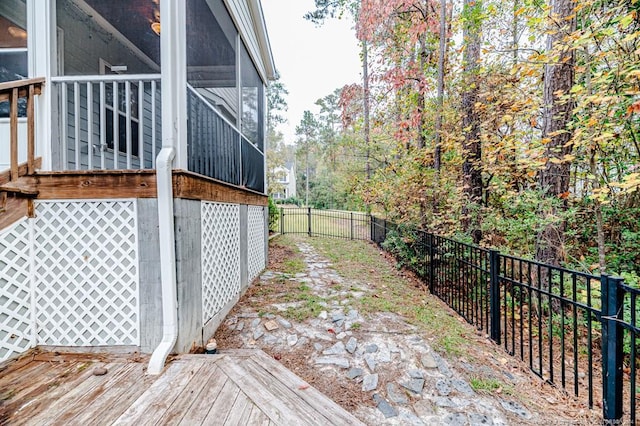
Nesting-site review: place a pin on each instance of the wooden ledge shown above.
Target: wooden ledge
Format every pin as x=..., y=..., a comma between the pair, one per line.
x=109, y=184
x=193, y=186
x=22, y=86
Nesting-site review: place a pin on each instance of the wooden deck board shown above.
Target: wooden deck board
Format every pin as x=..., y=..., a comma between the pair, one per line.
x=45, y=400
x=151, y=405
x=258, y=418
x=240, y=412
x=92, y=389
x=121, y=395
x=285, y=391
x=201, y=407
x=317, y=400
x=223, y=404
x=232, y=388
x=278, y=410
x=190, y=395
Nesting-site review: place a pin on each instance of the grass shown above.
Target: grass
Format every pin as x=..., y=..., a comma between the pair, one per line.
x=490, y=385
x=363, y=262
x=310, y=305
x=293, y=266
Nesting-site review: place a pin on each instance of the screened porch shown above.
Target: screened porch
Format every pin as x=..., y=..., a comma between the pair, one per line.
x=106, y=92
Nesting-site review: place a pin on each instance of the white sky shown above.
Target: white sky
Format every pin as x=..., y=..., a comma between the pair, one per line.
x=312, y=61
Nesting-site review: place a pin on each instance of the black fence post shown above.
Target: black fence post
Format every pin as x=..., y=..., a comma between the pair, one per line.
x=612, y=348
x=432, y=265
x=282, y=220
x=385, y=230
x=494, y=294
x=351, y=213
x=309, y=220
x=371, y=225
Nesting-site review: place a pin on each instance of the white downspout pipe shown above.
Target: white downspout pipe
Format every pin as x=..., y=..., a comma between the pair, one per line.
x=164, y=168
x=173, y=58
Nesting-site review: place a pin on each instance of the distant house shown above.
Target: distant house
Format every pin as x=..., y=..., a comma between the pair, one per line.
x=133, y=197
x=286, y=179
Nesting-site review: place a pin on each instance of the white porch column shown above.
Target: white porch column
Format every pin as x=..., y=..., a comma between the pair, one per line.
x=41, y=43
x=173, y=48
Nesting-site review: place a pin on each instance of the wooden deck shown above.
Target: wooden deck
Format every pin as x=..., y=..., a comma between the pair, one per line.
x=241, y=387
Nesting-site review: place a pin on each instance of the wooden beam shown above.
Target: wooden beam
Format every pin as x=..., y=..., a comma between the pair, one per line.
x=96, y=184
x=31, y=131
x=6, y=89
x=103, y=184
x=193, y=186
x=15, y=209
x=22, y=171
x=13, y=132
x=21, y=83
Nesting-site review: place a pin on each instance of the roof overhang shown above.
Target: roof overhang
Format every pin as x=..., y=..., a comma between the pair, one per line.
x=257, y=15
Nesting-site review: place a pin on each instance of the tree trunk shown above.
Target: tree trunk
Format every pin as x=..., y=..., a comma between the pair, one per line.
x=422, y=100
x=440, y=101
x=554, y=178
x=367, y=130
x=472, y=148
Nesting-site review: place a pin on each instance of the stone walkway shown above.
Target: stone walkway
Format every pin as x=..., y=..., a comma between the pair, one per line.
x=408, y=382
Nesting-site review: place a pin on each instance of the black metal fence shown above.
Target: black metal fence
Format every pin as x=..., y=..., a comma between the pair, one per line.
x=575, y=330
x=324, y=223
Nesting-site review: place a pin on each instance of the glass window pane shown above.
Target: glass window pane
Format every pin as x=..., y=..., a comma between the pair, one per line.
x=252, y=100
x=211, y=55
x=13, y=32
x=13, y=48
x=124, y=34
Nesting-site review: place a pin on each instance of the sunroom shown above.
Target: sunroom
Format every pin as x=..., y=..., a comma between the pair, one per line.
x=132, y=139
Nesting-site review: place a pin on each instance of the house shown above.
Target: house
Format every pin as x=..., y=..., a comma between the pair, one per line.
x=286, y=180
x=133, y=192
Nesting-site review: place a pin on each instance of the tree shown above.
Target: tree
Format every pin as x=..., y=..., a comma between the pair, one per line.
x=276, y=105
x=472, y=146
x=307, y=132
x=557, y=135
x=437, y=155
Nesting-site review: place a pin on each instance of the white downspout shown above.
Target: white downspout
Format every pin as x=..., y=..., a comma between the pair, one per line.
x=164, y=168
x=173, y=58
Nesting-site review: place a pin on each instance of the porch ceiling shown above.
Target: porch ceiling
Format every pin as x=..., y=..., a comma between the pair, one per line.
x=134, y=22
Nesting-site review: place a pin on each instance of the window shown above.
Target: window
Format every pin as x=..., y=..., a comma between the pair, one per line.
x=13, y=48
x=121, y=106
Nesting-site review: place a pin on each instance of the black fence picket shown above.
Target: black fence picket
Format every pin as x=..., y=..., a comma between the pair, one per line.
x=561, y=322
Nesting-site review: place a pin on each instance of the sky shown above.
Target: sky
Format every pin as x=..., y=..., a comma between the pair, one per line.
x=312, y=61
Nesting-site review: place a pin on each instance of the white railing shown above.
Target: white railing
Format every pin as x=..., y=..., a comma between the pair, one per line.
x=108, y=122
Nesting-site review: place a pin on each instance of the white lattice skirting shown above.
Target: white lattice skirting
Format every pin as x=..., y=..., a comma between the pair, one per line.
x=220, y=256
x=69, y=277
x=256, y=241
x=16, y=325
x=86, y=273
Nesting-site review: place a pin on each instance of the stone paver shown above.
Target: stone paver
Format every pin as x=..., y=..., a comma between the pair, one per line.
x=419, y=387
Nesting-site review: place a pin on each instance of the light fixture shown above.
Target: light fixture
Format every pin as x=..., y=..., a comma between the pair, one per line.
x=155, y=26
x=17, y=33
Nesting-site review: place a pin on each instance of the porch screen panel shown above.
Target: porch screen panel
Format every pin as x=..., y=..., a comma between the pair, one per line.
x=211, y=56
x=106, y=36
x=252, y=101
x=105, y=124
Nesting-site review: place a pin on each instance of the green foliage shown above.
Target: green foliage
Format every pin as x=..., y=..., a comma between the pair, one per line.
x=403, y=243
x=274, y=215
